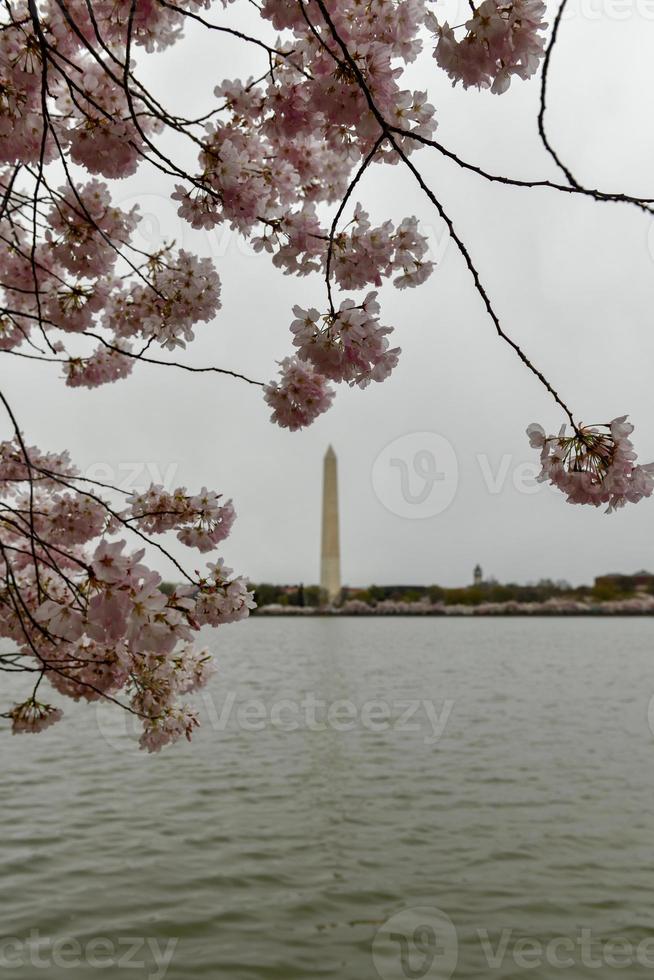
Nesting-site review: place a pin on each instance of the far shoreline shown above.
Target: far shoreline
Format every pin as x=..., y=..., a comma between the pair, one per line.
x=299, y=613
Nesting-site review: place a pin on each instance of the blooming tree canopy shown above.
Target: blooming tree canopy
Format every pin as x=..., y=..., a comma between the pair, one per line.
x=279, y=159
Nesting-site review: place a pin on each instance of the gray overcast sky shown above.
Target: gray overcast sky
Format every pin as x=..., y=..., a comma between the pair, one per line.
x=572, y=280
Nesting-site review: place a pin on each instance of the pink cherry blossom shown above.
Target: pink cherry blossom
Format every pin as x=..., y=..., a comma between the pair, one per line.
x=346, y=345
x=111, y=565
x=204, y=519
x=31, y=717
x=595, y=465
x=300, y=396
x=502, y=40
x=95, y=623
x=64, y=622
x=170, y=726
x=101, y=367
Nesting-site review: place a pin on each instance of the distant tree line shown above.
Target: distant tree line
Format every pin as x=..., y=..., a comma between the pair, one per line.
x=605, y=588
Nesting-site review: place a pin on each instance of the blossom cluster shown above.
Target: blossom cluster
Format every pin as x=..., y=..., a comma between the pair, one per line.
x=88, y=613
x=203, y=520
x=300, y=395
x=595, y=465
x=407, y=257
x=69, y=264
x=66, y=284
x=501, y=40
x=348, y=344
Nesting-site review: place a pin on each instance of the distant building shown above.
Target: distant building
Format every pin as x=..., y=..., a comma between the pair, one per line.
x=639, y=582
x=478, y=575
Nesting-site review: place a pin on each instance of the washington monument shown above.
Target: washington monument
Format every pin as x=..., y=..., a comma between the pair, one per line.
x=330, y=559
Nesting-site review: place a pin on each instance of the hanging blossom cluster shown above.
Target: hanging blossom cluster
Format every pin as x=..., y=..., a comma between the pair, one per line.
x=300, y=396
x=86, y=614
x=595, y=465
x=368, y=255
x=348, y=344
x=502, y=40
x=204, y=520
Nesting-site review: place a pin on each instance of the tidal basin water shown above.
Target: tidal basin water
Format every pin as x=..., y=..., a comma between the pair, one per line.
x=371, y=799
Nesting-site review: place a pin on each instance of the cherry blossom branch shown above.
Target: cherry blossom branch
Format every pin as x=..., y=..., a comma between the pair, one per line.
x=28, y=464
x=209, y=369
x=356, y=72
x=543, y=97
x=278, y=52
x=574, y=188
x=337, y=217
x=575, y=185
